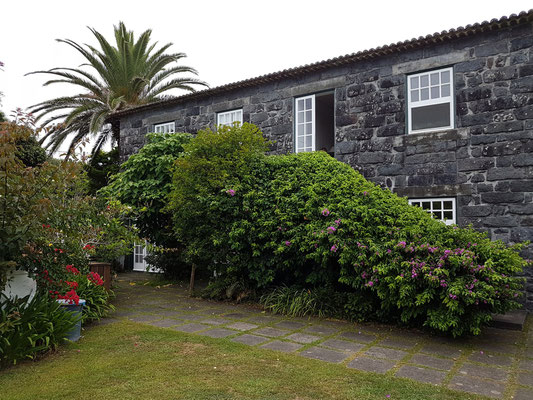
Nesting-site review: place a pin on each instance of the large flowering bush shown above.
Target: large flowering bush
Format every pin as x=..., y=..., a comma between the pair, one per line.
x=75, y=285
x=311, y=221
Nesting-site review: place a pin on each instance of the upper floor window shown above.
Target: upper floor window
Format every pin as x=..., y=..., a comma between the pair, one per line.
x=315, y=123
x=167, y=127
x=442, y=209
x=227, y=118
x=430, y=101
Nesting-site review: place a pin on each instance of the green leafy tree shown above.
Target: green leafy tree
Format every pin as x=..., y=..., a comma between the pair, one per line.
x=101, y=166
x=131, y=73
x=145, y=183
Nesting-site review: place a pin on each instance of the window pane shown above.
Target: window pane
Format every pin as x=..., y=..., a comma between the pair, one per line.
x=437, y=205
x=308, y=129
x=300, y=129
x=414, y=82
x=448, y=205
x=414, y=95
x=445, y=77
x=301, y=115
x=424, y=94
x=445, y=90
x=300, y=105
x=301, y=142
x=434, y=116
x=309, y=141
x=308, y=104
x=435, y=92
x=308, y=116
x=424, y=81
x=426, y=205
x=415, y=203
x=434, y=78
x=448, y=215
x=437, y=214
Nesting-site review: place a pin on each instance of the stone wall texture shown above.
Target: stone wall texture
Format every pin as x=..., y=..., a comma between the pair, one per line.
x=486, y=162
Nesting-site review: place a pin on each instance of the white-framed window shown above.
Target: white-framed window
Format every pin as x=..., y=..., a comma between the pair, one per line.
x=167, y=127
x=443, y=209
x=227, y=118
x=305, y=123
x=430, y=101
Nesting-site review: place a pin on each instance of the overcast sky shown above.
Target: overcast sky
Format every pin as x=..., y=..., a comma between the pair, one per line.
x=225, y=40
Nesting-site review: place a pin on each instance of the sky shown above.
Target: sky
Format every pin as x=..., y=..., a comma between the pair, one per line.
x=225, y=41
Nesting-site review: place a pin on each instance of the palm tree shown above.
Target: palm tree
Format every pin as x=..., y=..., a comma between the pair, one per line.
x=131, y=74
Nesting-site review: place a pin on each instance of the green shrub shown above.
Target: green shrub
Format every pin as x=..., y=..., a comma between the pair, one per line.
x=311, y=221
x=29, y=328
x=145, y=182
x=321, y=302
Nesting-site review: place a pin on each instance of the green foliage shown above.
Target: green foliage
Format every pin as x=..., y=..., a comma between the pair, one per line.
x=214, y=163
x=145, y=182
x=31, y=327
x=309, y=221
x=295, y=302
x=30, y=152
x=100, y=167
x=170, y=262
x=130, y=73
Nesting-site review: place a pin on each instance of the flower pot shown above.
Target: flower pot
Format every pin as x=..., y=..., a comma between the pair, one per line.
x=19, y=284
x=75, y=332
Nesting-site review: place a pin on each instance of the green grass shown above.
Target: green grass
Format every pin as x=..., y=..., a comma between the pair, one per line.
x=133, y=361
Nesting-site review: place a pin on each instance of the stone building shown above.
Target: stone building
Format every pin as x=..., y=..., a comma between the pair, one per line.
x=445, y=120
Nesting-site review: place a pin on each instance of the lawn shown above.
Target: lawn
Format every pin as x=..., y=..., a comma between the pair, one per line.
x=127, y=360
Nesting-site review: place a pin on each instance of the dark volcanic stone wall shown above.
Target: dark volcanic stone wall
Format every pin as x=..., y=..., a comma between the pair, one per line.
x=486, y=162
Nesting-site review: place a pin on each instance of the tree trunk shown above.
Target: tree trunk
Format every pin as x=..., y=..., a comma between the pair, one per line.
x=191, y=283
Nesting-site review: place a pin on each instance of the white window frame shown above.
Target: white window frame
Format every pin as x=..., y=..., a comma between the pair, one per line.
x=140, y=251
x=233, y=116
x=298, y=121
x=433, y=200
x=165, y=127
x=421, y=103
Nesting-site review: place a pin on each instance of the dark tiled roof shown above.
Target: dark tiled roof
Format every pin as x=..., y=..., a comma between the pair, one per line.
x=469, y=30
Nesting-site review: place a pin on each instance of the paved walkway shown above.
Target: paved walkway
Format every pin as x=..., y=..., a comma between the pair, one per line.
x=498, y=364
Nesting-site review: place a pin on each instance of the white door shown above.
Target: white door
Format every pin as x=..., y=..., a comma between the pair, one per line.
x=305, y=124
x=139, y=253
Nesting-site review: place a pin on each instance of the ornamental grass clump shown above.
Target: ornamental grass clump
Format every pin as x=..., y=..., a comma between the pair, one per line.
x=310, y=221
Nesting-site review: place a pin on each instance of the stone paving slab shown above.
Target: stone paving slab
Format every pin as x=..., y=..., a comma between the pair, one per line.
x=271, y=332
x=242, y=326
x=399, y=343
x=250, y=340
x=291, y=325
x=215, y=321
x=371, y=364
x=383, y=352
x=477, y=386
x=343, y=345
x=358, y=337
x=526, y=365
x=441, y=350
x=166, y=323
x=321, y=330
x=488, y=358
x=479, y=371
x=144, y=318
x=302, y=338
x=424, y=375
x=432, y=362
x=218, y=333
x=319, y=353
x=190, y=328
x=263, y=319
x=523, y=394
x=286, y=347
x=526, y=378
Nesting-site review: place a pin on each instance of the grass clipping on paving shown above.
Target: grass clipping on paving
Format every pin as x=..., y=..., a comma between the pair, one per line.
x=126, y=360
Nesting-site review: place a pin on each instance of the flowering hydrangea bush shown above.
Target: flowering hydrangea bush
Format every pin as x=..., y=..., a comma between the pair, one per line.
x=309, y=221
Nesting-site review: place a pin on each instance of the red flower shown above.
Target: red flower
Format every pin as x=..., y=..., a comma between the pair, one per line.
x=95, y=278
x=73, y=284
x=71, y=297
x=88, y=247
x=72, y=269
